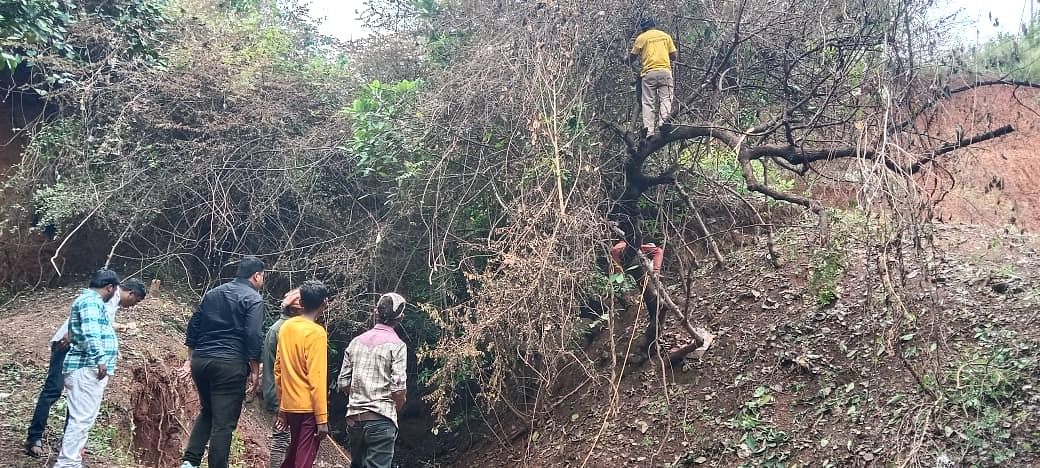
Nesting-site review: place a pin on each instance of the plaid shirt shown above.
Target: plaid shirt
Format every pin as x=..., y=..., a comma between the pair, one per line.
x=374, y=367
x=93, y=338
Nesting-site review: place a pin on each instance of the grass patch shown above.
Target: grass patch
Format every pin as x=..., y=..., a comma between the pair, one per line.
x=990, y=397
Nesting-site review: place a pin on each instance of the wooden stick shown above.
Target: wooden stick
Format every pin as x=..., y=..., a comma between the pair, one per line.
x=339, y=449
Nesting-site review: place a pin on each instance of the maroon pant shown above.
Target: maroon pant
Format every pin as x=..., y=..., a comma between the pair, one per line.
x=303, y=448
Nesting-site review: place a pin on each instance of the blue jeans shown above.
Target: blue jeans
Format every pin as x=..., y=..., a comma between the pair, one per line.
x=51, y=392
x=372, y=443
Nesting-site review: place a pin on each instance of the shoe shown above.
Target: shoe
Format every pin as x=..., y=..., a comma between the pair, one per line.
x=188, y=464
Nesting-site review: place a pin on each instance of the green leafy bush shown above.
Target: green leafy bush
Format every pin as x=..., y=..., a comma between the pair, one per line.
x=378, y=140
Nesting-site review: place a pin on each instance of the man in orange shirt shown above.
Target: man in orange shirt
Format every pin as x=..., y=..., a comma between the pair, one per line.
x=301, y=377
x=656, y=50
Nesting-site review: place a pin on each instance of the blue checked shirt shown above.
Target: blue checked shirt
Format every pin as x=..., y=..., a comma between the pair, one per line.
x=93, y=338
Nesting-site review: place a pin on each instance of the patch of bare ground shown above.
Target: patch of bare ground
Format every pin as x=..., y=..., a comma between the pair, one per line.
x=952, y=381
x=993, y=183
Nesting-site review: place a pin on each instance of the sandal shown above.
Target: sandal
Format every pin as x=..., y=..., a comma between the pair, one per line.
x=34, y=449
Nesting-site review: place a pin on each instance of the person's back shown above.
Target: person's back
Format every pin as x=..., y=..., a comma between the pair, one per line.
x=375, y=351
x=301, y=373
x=224, y=347
x=219, y=328
x=655, y=48
x=656, y=51
x=374, y=376
x=301, y=377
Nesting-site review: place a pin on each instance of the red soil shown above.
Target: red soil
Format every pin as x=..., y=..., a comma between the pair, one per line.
x=993, y=183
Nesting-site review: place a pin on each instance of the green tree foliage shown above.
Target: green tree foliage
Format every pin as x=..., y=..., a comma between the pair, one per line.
x=31, y=25
x=377, y=136
x=42, y=27
x=1016, y=55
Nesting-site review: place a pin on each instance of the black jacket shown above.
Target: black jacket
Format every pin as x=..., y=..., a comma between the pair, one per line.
x=227, y=323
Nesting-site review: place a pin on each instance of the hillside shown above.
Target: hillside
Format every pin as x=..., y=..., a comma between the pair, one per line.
x=994, y=183
x=860, y=234
x=792, y=384
x=786, y=382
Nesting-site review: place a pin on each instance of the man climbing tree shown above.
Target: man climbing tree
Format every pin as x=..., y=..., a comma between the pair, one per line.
x=656, y=51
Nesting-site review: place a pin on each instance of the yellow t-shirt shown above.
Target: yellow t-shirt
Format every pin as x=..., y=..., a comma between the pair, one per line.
x=301, y=368
x=653, y=47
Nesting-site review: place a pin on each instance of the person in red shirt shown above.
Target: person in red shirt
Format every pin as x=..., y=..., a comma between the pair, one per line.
x=656, y=253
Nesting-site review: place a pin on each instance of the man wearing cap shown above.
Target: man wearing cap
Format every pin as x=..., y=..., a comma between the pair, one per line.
x=373, y=375
x=656, y=50
x=224, y=345
x=90, y=360
x=301, y=375
x=280, y=436
x=127, y=295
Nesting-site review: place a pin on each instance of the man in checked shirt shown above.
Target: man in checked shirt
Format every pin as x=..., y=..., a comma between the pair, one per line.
x=88, y=364
x=373, y=376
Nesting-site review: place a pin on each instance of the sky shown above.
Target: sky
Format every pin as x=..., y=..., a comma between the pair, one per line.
x=340, y=17
x=975, y=14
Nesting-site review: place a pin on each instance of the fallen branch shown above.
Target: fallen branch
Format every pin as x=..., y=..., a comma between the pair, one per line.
x=948, y=147
x=947, y=92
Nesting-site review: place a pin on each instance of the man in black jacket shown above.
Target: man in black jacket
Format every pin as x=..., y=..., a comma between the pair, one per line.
x=224, y=344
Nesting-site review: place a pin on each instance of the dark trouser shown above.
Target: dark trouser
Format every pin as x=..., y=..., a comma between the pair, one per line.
x=221, y=384
x=51, y=392
x=303, y=447
x=372, y=443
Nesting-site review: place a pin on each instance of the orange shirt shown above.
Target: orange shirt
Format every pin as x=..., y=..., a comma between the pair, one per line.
x=301, y=369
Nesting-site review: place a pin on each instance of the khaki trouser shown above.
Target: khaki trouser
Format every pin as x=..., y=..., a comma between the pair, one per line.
x=657, y=87
x=83, y=393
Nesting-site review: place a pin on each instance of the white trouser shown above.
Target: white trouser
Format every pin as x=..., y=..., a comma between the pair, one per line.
x=83, y=392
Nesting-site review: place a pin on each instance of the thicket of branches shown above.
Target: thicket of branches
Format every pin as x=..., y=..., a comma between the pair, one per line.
x=495, y=162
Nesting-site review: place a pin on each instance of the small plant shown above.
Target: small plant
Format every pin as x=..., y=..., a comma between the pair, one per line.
x=984, y=385
x=377, y=140
x=759, y=438
x=238, y=450
x=827, y=263
x=108, y=441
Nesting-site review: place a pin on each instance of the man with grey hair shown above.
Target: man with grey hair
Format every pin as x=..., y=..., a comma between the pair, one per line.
x=373, y=375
